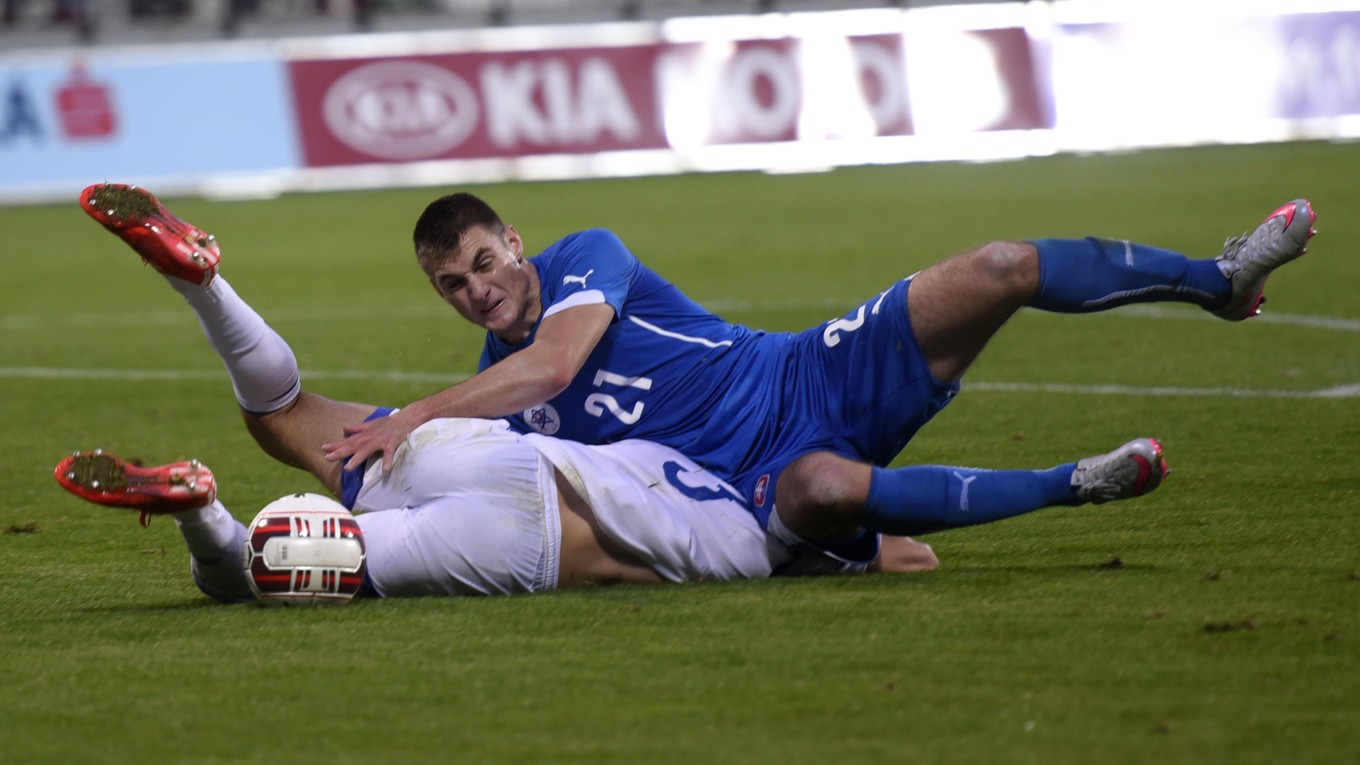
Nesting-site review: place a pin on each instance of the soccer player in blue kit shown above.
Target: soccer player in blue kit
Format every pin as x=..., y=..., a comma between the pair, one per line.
x=585, y=342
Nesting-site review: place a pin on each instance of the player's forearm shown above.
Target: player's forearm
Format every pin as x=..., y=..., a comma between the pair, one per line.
x=506, y=388
x=528, y=377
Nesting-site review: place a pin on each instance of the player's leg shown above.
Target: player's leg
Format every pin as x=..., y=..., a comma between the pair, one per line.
x=823, y=495
x=1082, y=275
x=957, y=305
x=187, y=492
x=261, y=366
x=216, y=543
x=289, y=425
x=294, y=434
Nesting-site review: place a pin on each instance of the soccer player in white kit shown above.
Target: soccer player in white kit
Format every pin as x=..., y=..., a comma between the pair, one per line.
x=469, y=506
x=472, y=508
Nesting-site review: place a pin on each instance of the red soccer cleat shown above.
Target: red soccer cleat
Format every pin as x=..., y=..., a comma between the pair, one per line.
x=170, y=245
x=104, y=479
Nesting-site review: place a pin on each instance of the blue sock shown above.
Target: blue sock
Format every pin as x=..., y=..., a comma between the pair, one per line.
x=1084, y=275
x=920, y=499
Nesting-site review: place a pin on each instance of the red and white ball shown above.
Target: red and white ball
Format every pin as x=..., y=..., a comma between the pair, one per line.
x=304, y=549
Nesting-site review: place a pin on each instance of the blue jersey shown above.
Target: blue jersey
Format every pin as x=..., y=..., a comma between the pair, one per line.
x=741, y=402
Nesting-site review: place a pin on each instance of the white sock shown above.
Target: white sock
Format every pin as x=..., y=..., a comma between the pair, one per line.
x=216, y=543
x=263, y=369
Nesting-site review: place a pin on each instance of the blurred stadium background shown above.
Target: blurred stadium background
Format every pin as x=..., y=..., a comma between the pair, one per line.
x=63, y=22
x=256, y=97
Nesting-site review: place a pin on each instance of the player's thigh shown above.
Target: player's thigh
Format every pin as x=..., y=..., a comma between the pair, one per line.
x=295, y=434
x=957, y=305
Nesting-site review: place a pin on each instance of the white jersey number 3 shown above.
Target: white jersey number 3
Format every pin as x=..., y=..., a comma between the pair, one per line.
x=599, y=403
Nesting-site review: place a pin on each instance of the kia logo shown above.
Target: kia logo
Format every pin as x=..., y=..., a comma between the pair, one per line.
x=401, y=110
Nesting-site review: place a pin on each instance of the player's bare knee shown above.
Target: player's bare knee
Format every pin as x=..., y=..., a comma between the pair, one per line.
x=1011, y=268
x=822, y=493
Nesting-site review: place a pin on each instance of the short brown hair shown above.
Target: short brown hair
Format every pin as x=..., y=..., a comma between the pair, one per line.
x=439, y=231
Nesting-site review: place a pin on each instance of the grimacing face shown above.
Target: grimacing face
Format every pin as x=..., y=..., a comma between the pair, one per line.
x=490, y=284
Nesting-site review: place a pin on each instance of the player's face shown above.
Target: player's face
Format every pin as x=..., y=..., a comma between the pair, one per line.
x=490, y=284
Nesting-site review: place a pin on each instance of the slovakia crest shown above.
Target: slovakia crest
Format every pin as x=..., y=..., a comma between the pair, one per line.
x=762, y=484
x=542, y=419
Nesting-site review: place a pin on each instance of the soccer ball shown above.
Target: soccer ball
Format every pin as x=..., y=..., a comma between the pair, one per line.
x=304, y=549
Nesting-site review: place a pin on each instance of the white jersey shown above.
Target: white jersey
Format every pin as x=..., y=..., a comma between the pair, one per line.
x=667, y=511
x=471, y=507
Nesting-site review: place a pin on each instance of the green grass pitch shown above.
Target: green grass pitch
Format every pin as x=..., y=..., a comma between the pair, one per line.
x=1216, y=621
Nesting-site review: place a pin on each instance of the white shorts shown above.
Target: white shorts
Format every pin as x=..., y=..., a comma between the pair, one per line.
x=466, y=510
x=470, y=507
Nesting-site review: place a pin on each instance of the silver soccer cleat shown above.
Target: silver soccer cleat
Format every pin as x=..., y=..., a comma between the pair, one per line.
x=1132, y=470
x=1247, y=261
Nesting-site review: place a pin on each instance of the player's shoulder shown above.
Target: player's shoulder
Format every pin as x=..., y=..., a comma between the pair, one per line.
x=594, y=250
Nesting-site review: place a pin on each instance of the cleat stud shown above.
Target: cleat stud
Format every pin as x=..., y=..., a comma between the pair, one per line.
x=71, y=476
x=94, y=484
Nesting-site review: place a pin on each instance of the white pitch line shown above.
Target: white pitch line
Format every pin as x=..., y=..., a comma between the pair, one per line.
x=178, y=375
x=19, y=322
x=1344, y=391
x=449, y=378
x=829, y=306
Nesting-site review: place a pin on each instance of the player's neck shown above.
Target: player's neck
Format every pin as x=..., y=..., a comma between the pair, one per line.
x=530, y=313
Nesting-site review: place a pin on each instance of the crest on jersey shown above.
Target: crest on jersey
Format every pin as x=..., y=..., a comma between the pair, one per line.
x=762, y=484
x=542, y=419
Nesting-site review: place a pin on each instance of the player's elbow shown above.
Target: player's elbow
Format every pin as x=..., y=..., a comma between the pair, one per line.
x=553, y=378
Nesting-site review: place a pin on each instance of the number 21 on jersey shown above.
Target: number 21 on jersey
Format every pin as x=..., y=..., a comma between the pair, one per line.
x=598, y=404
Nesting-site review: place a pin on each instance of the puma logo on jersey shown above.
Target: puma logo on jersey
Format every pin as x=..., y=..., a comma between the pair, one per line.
x=582, y=279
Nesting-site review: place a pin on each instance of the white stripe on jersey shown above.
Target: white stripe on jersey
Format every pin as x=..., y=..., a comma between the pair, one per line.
x=588, y=297
x=676, y=335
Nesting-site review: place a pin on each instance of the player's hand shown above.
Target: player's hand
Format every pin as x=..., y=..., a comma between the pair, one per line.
x=362, y=441
x=903, y=554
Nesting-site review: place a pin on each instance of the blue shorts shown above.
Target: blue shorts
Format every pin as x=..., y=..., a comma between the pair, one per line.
x=351, y=481
x=858, y=386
